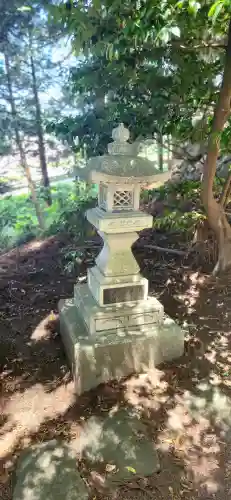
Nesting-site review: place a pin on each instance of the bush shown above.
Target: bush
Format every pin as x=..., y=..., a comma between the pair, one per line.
x=67, y=213
x=177, y=206
x=178, y=221
x=186, y=189
x=18, y=222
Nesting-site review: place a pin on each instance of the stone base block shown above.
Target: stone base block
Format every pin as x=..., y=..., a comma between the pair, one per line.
x=113, y=354
x=117, y=289
x=98, y=319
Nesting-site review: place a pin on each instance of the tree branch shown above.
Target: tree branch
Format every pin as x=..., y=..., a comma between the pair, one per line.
x=172, y=251
x=200, y=45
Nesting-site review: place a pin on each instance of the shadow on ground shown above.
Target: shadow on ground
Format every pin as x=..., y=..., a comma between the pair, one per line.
x=185, y=406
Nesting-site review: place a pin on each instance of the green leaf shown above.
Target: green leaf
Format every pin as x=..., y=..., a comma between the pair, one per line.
x=110, y=51
x=175, y=30
x=24, y=8
x=180, y=4
x=216, y=9
x=149, y=13
x=194, y=6
x=164, y=34
x=131, y=469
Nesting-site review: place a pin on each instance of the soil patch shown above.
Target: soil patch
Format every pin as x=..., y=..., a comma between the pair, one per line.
x=185, y=405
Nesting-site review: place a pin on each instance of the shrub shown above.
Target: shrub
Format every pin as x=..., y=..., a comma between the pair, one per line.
x=177, y=206
x=18, y=222
x=67, y=213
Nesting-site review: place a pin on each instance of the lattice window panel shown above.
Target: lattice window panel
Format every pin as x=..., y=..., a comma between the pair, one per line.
x=123, y=200
x=103, y=196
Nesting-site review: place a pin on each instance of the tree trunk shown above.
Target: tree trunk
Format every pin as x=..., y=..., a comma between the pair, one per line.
x=215, y=212
x=160, y=152
x=19, y=143
x=42, y=153
x=34, y=195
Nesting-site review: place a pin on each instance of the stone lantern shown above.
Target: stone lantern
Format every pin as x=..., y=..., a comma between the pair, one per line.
x=112, y=327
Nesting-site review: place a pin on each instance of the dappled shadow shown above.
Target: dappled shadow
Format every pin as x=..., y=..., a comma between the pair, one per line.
x=26, y=411
x=182, y=423
x=35, y=381
x=49, y=471
x=184, y=405
x=31, y=350
x=94, y=362
x=118, y=444
x=193, y=396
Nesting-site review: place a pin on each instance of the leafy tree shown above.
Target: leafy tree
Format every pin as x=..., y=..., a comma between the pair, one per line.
x=215, y=211
x=137, y=62
x=18, y=139
x=166, y=60
x=17, y=22
x=38, y=112
x=11, y=17
x=29, y=40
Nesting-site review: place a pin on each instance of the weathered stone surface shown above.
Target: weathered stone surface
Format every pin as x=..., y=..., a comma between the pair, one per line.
x=123, y=166
x=49, y=472
x=102, y=348
x=121, y=443
x=99, y=284
x=119, y=223
x=122, y=158
x=116, y=353
x=100, y=319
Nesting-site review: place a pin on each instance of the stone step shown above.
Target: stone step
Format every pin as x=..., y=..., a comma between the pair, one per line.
x=48, y=471
x=121, y=443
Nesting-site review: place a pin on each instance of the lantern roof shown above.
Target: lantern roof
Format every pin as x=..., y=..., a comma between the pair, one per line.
x=122, y=159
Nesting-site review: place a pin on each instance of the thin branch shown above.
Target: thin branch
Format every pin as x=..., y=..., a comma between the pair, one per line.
x=226, y=191
x=162, y=249
x=201, y=45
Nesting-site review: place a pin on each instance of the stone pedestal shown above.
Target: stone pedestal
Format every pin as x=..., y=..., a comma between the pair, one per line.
x=115, y=353
x=112, y=328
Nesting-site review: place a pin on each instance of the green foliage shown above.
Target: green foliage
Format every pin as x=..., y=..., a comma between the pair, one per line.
x=71, y=258
x=155, y=62
x=18, y=222
x=28, y=73
x=180, y=204
x=188, y=189
x=67, y=213
x=176, y=220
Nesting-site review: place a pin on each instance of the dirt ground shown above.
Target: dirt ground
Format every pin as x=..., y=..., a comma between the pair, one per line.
x=185, y=405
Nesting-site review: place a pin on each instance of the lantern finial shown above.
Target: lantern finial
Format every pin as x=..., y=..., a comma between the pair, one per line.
x=120, y=133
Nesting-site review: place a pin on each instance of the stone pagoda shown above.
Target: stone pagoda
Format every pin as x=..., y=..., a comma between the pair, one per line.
x=111, y=327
